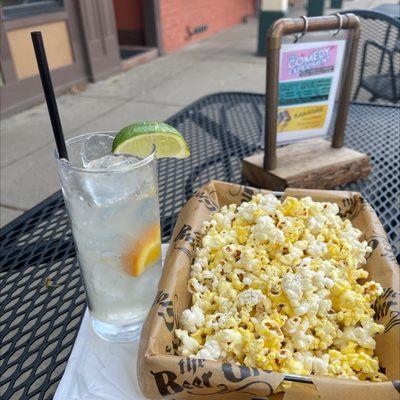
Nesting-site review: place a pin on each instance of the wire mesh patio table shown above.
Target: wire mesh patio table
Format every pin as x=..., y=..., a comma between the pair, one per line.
x=42, y=298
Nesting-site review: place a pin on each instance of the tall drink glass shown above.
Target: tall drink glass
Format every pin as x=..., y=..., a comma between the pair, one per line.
x=112, y=204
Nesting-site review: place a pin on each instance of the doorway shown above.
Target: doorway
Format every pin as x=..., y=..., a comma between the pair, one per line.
x=135, y=23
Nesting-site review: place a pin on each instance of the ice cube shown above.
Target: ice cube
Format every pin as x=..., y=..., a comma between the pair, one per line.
x=108, y=161
x=95, y=147
x=106, y=189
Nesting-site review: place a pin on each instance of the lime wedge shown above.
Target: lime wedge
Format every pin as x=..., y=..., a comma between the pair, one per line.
x=139, y=138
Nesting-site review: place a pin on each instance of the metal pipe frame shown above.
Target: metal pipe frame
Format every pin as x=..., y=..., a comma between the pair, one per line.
x=288, y=26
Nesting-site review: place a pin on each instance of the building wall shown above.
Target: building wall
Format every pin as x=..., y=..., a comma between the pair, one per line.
x=81, y=45
x=179, y=16
x=129, y=21
x=56, y=41
x=128, y=14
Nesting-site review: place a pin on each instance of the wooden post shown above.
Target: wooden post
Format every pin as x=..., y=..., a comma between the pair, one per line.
x=270, y=11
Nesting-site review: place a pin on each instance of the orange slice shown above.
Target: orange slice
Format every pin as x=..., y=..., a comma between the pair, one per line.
x=144, y=251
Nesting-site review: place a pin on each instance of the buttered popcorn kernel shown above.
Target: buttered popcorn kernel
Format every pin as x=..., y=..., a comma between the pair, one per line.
x=275, y=286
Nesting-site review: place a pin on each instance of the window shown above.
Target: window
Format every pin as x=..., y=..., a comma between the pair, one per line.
x=12, y=9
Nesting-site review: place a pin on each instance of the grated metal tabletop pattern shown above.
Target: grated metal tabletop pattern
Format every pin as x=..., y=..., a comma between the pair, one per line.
x=42, y=298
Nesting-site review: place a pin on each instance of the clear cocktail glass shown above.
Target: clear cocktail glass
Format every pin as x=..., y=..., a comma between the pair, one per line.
x=112, y=202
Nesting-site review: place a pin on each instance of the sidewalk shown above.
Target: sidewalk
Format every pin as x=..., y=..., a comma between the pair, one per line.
x=154, y=91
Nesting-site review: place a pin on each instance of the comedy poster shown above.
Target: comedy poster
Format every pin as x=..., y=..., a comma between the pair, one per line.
x=309, y=76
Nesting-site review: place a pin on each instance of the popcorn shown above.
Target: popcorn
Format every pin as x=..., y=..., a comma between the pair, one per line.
x=265, y=231
x=292, y=287
x=188, y=346
x=317, y=248
x=250, y=298
x=210, y=351
x=192, y=319
x=275, y=286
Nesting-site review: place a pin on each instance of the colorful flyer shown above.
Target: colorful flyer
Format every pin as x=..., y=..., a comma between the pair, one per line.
x=306, y=91
x=299, y=118
x=306, y=62
x=309, y=79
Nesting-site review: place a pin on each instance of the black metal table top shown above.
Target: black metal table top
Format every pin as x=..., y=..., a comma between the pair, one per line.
x=42, y=298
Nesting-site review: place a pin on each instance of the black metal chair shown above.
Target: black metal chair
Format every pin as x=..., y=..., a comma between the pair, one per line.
x=377, y=74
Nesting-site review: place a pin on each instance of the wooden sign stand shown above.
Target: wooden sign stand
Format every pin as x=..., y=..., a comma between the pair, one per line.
x=312, y=163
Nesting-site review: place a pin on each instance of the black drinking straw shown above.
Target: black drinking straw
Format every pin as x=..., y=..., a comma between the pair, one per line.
x=48, y=90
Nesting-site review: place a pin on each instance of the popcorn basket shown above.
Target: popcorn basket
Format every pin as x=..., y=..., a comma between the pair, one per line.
x=164, y=374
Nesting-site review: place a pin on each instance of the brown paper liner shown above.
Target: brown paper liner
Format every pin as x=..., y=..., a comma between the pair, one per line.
x=348, y=389
x=302, y=391
x=163, y=374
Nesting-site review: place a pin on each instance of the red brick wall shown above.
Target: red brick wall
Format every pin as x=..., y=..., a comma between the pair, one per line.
x=177, y=15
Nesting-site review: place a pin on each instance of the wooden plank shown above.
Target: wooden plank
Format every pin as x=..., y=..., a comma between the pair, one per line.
x=311, y=164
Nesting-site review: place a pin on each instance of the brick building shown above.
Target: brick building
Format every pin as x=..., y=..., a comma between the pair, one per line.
x=180, y=19
x=87, y=40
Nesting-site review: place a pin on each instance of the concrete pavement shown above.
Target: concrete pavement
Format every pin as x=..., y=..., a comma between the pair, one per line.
x=155, y=91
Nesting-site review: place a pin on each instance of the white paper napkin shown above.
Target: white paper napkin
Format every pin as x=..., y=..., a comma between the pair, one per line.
x=100, y=370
